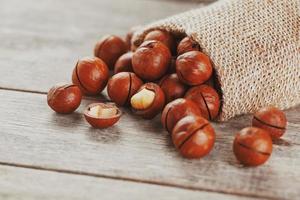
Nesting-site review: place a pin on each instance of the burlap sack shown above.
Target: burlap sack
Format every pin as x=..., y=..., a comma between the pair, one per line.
x=255, y=48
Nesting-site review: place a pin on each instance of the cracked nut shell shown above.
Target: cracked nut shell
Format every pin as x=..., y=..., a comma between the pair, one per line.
x=176, y=110
x=64, y=98
x=272, y=120
x=148, y=101
x=102, y=115
x=207, y=99
x=194, y=137
x=252, y=146
x=90, y=75
x=122, y=86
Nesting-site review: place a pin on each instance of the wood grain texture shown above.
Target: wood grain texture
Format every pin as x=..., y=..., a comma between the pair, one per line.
x=139, y=150
x=41, y=41
x=38, y=184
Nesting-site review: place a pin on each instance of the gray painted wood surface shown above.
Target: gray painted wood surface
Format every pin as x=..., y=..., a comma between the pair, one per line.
x=139, y=150
x=40, y=43
x=39, y=184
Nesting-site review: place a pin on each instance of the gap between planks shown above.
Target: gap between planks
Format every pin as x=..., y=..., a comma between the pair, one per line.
x=120, y=178
x=36, y=92
x=22, y=90
x=83, y=97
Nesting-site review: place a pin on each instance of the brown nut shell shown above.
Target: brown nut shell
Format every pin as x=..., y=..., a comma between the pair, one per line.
x=172, y=87
x=64, y=98
x=122, y=86
x=252, y=146
x=194, y=137
x=176, y=110
x=109, y=49
x=162, y=36
x=156, y=105
x=151, y=60
x=187, y=44
x=172, y=66
x=272, y=120
x=193, y=68
x=90, y=75
x=102, y=122
x=207, y=99
x=124, y=63
x=129, y=36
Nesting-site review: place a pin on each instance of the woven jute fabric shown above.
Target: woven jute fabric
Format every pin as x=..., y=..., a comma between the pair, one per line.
x=254, y=46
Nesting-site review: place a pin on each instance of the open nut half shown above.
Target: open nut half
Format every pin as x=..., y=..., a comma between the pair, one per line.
x=102, y=115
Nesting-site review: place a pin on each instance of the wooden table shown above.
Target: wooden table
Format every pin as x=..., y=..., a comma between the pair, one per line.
x=44, y=155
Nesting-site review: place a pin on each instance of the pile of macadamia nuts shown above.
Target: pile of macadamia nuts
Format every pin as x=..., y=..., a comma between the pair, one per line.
x=164, y=74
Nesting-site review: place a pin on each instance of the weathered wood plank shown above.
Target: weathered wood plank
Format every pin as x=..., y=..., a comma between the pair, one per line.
x=42, y=40
x=140, y=150
x=22, y=183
